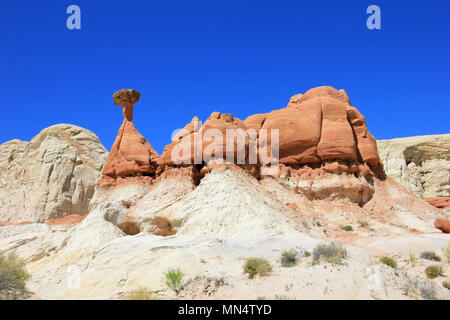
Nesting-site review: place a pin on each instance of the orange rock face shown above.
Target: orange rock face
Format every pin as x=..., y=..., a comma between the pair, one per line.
x=318, y=128
x=131, y=155
x=194, y=144
x=439, y=202
x=443, y=225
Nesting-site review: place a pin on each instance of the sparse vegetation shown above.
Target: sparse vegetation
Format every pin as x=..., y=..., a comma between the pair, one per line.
x=141, y=294
x=347, y=228
x=306, y=253
x=173, y=278
x=428, y=291
x=318, y=223
x=364, y=224
x=305, y=224
x=289, y=258
x=446, y=253
x=257, y=266
x=429, y=255
x=434, y=271
x=127, y=203
x=331, y=253
x=390, y=262
x=412, y=259
x=12, y=277
x=446, y=285
x=417, y=287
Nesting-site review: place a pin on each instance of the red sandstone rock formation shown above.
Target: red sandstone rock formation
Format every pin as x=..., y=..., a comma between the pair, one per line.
x=439, y=202
x=192, y=142
x=131, y=154
x=126, y=98
x=319, y=128
x=443, y=225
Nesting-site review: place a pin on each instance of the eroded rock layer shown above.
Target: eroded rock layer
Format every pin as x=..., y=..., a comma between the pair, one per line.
x=52, y=176
x=421, y=164
x=131, y=155
x=319, y=128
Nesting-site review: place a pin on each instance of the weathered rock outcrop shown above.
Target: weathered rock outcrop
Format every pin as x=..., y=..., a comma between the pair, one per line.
x=443, y=225
x=52, y=176
x=126, y=98
x=421, y=164
x=317, y=128
x=439, y=202
x=131, y=154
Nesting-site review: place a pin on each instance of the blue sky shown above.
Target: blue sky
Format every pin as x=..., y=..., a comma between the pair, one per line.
x=238, y=56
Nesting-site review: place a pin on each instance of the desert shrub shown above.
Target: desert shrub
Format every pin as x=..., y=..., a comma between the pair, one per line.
x=347, y=228
x=12, y=277
x=289, y=258
x=420, y=287
x=429, y=255
x=141, y=294
x=257, y=266
x=306, y=253
x=428, y=291
x=412, y=259
x=364, y=224
x=127, y=203
x=318, y=223
x=446, y=285
x=331, y=253
x=172, y=279
x=434, y=271
x=446, y=253
x=390, y=262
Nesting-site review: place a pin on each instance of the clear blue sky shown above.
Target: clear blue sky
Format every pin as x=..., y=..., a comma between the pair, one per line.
x=238, y=56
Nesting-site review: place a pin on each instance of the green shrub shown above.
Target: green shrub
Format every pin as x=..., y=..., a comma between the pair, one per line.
x=173, y=279
x=364, y=224
x=390, y=262
x=289, y=258
x=446, y=285
x=429, y=255
x=12, y=278
x=331, y=253
x=141, y=294
x=257, y=266
x=306, y=253
x=318, y=223
x=412, y=259
x=434, y=271
x=347, y=228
